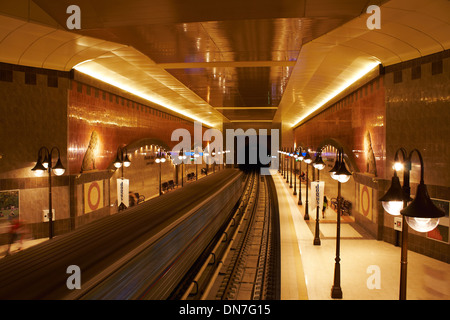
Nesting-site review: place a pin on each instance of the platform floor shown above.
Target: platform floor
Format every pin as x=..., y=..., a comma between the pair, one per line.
x=308, y=270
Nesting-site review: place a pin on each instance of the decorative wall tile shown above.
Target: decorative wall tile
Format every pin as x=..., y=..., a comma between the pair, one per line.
x=117, y=121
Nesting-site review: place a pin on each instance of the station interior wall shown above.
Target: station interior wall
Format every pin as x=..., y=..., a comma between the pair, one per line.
x=405, y=106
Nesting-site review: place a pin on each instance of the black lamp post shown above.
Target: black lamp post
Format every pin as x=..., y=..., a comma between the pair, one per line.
x=300, y=159
x=44, y=163
x=279, y=162
x=160, y=159
x=122, y=161
x=319, y=165
x=182, y=157
x=196, y=157
x=342, y=175
x=289, y=166
x=291, y=162
x=206, y=156
x=295, y=155
x=308, y=161
x=421, y=214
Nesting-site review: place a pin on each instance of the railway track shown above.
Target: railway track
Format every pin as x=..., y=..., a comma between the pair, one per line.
x=243, y=261
x=141, y=253
x=206, y=240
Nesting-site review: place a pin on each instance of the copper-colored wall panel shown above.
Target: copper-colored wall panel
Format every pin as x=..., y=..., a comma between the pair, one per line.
x=117, y=122
x=418, y=117
x=349, y=121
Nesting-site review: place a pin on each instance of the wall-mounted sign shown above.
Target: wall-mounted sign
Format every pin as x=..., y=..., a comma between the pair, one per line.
x=123, y=189
x=365, y=201
x=398, y=223
x=93, y=196
x=317, y=193
x=45, y=217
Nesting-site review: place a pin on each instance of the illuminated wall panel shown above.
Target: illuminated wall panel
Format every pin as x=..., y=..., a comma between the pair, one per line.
x=357, y=122
x=100, y=122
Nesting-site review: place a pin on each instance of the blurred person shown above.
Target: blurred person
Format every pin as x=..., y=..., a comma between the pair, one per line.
x=16, y=231
x=325, y=205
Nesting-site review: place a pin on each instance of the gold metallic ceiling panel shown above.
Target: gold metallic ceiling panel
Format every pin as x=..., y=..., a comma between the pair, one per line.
x=191, y=56
x=231, y=54
x=327, y=65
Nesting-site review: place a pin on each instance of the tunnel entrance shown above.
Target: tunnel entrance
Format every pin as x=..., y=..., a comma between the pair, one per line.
x=251, y=150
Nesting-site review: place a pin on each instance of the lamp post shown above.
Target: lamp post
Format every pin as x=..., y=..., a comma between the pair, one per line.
x=122, y=161
x=287, y=165
x=421, y=214
x=182, y=157
x=291, y=162
x=300, y=158
x=295, y=155
x=206, y=155
x=307, y=160
x=196, y=156
x=279, y=162
x=342, y=175
x=44, y=163
x=319, y=165
x=160, y=158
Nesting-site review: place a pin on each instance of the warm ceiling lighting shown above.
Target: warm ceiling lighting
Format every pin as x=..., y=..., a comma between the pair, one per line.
x=357, y=75
x=110, y=77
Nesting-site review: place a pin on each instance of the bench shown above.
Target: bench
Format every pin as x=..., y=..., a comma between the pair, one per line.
x=333, y=203
x=171, y=185
x=346, y=206
x=191, y=176
x=165, y=186
x=135, y=198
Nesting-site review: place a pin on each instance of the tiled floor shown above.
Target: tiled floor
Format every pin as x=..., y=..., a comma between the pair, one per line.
x=17, y=247
x=370, y=269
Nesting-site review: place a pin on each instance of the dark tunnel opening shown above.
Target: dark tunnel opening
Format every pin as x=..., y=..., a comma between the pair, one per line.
x=253, y=160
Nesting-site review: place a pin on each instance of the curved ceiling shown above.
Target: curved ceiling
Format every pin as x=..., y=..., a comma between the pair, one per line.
x=259, y=61
x=32, y=43
x=329, y=64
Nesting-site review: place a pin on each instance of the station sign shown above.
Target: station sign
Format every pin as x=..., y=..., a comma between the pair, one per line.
x=317, y=193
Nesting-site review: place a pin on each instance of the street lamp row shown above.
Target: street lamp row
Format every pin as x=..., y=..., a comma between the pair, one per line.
x=420, y=213
x=45, y=164
x=340, y=173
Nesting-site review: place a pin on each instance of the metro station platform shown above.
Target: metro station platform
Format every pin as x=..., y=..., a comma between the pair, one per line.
x=308, y=271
